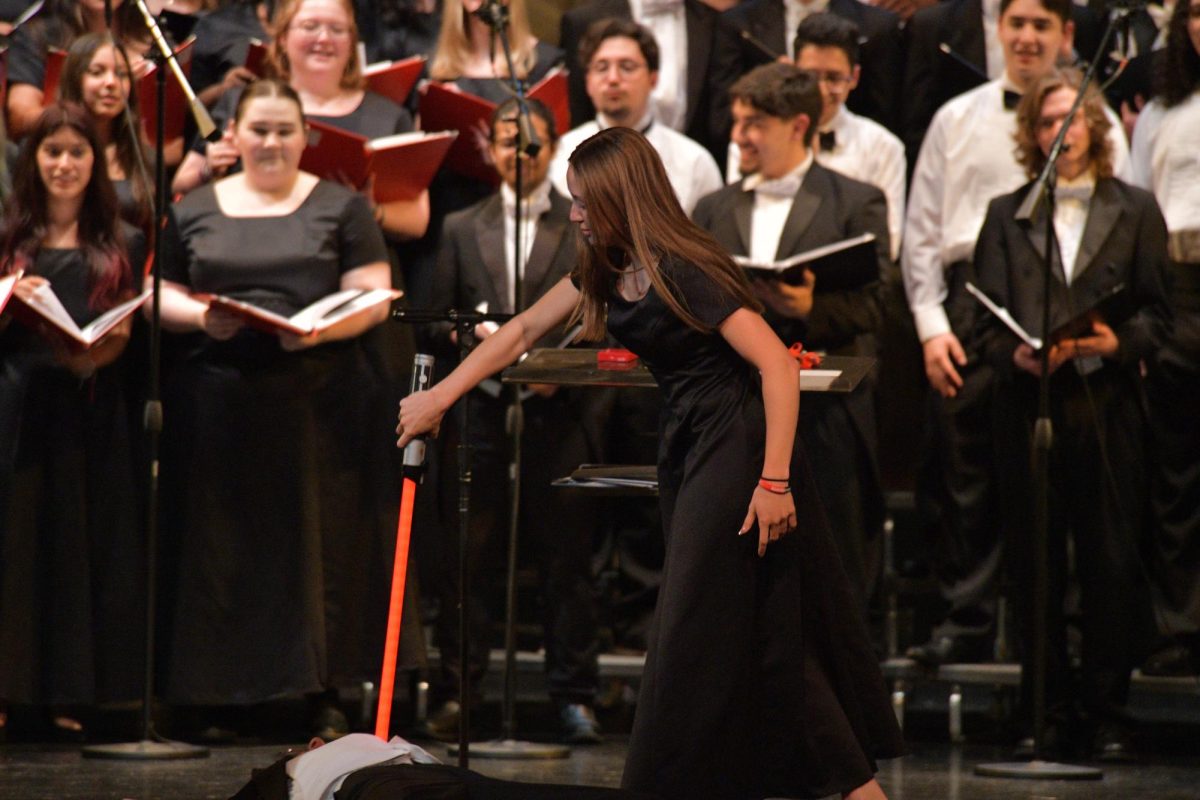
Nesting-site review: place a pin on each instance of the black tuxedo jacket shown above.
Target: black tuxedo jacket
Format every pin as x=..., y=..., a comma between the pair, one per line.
x=828, y=208
x=932, y=77
x=471, y=264
x=1124, y=242
x=881, y=56
x=701, y=22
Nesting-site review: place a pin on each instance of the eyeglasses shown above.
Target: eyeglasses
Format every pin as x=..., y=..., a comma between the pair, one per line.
x=835, y=80
x=312, y=27
x=626, y=67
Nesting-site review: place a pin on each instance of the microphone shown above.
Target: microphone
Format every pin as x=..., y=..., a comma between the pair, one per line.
x=494, y=13
x=422, y=379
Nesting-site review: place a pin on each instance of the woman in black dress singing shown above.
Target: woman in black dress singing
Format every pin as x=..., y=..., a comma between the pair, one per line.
x=69, y=523
x=759, y=678
x=268, y=464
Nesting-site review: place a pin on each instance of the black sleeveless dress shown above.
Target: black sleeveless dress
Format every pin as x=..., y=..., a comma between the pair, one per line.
x=760, y=680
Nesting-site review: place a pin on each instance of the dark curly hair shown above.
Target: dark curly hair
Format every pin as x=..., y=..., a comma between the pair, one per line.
x=1178, y=68
x=1029, y=153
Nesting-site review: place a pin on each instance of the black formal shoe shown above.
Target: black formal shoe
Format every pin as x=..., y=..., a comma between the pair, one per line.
x=1172, y=661
x=950, y=650
x=1113, y=744
x=579, y=724
x=442, y=724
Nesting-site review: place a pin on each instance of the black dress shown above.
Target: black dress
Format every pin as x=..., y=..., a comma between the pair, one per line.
x=760, y=680
x=268, y=472
x=70, y=526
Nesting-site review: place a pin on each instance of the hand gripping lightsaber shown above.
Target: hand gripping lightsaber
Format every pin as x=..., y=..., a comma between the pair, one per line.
x=414, y=460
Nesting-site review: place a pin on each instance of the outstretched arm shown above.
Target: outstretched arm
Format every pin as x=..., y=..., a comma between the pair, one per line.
x=749, y=334
x=422, y=412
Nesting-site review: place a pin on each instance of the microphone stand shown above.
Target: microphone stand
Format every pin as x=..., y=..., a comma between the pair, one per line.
x=1041, y=192
x=495, y=14
x=152, y=746
x=464, y=325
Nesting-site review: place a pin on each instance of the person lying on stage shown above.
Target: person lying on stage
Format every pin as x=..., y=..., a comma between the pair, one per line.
x=757, y=651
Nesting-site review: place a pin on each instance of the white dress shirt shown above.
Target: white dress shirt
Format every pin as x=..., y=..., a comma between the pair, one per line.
x=318, y=774
x=966, y=160
x=795, y=12
x=1072, y=201
x=536, y=204
x=690, y=168
x=1166, y=161
x=867, y=152
x=771, y=209
x=667, y=20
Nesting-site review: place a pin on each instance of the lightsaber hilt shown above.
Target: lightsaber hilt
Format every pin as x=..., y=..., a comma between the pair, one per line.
x=422, y=379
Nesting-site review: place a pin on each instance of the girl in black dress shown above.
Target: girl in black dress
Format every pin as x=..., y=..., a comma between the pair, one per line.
x=69, y=538
x=97, y=76
x=759, y=678
x=268, y=469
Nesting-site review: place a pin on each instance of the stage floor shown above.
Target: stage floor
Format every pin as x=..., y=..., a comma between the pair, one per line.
x=934, y=771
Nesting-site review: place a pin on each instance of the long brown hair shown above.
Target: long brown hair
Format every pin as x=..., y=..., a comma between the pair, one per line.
x=454, y=42
x=633, y=213
x=70, y=89
x=110, y=278
x=1029, y=112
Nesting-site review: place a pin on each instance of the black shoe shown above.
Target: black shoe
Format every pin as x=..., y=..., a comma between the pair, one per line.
x=579, y=724
x=1113, y=744
x=442, y=724
x=950, y=650
x=1173, y=661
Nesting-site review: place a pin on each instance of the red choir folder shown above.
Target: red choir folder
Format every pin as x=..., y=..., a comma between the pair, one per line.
x=55, y=59
x=394, y=79
x=7, y=284
x=176, y=100
x=403, y=164
x=256, y=58
x=444, y=108
x=45, y=312
x=324, y=313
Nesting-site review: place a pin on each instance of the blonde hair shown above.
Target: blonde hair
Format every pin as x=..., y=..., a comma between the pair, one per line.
x=454, y=43
x=352, y=76
x=634, y=215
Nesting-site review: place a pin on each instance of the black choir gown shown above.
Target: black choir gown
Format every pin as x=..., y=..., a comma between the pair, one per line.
x=71, y=564
x=278, y=518
x=760, y=680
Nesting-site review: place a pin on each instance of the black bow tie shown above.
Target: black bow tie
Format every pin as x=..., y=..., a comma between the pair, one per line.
x=1011, y=99
x=828, y=141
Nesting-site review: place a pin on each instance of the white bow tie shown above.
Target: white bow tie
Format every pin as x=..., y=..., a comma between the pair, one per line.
x=1082, y=193
x=531, y=208
x=785, y=187
x=653, y=7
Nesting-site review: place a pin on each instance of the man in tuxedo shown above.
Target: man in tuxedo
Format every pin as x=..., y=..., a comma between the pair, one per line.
x=969, y=30
x=1108, y=237
x=758, y=31
x=790, y=205
x=684, y=31
x=624, y=66
x=476, y=270
x=966, y=160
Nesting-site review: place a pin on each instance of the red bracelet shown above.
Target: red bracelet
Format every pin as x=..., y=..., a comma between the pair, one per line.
x=773, y=488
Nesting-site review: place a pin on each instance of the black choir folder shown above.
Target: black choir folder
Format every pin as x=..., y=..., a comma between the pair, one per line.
x=1112, y=307
x=841, y=266
x=45, y=312
x=314, y=318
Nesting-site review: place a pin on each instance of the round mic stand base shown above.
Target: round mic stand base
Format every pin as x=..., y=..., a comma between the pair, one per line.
x=145, y=750
x=516, y=750
x=1037, y=770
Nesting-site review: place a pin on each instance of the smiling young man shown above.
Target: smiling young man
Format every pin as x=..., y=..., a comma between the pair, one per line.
x=966, y=160
x=621, y=60
x=793, y=204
